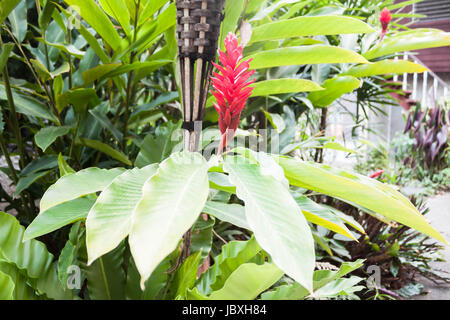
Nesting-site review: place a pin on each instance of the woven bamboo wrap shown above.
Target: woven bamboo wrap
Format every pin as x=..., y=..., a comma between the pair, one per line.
x=194, y=32
x=198, y=27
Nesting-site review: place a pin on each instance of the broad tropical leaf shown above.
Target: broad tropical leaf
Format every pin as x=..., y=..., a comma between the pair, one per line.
x=172, y=200
x=111, y=218
x=275, y=218
x=371, y=194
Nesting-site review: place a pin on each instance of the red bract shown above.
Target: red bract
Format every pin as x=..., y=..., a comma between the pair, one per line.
x=231, y=87
x=385, y=19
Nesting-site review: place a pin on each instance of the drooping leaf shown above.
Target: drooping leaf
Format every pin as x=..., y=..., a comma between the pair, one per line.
x=113, y=213
x=172, y=201
x=275, y=218
x=371, y=194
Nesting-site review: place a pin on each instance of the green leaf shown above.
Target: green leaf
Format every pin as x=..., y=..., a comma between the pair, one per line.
x=232, y=12
x=39, y=164
x=106, y=123
x=275, y=218
x=279, y=86
x=106, y=149
x=232, y=213
x=28, y=105
x=173, y=200
x=58, y=216
x=64, y=168
x=46, y=136
x=76, y=185
x=98, y=72
x=385, y=67
x=18, y=21
x=119, y=11
x=232, y=255
x=186, y=275
x=27, y=180
x=31, y=258
x=7, y=287
x=6, y=6
x=114, y=211
x=334, y=89
x=106, y=278
x=409, y=40
x=303, y=55
x=69, y=254
x=160, y=100
x=79, y=98
x=4, y=55
x=93, y=15
x=317, y=214
x=248, y=281
x=371, y=194
x=309, y=26
x=46, y=14
x=221, y=182
x=155, y=148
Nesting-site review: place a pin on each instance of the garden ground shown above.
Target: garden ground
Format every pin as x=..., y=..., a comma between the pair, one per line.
x=439, y=217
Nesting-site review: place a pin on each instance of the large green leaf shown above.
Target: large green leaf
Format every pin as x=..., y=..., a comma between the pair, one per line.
x=6, y=6
x=22, y=285
x=91, y=12
x=5, y=51
x=275, y=218
x=248, y=281
x=26, y=181
x=233, y=11
x=113, y=213
x=279, y=86
x=409, y=40
x=366, y=192
x=186, y=275
x=309, y=26
x=385, y=67
x=31, y=258
x=172, y=200
x=76, y=185
x=58, y=216
x=303, y=55
x=334, y=89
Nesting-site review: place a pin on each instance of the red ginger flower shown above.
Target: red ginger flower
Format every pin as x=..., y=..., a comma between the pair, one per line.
x=385, y=19
x=376, y=174
x=231, y=87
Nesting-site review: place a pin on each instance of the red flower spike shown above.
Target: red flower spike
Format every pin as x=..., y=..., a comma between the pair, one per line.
x=231, y=88
x=385, y=19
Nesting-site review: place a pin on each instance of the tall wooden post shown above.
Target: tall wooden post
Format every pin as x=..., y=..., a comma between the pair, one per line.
x=198, y=27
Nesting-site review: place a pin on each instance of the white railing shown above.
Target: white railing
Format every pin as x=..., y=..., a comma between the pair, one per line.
x=424, y=86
